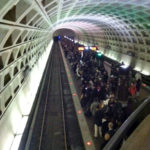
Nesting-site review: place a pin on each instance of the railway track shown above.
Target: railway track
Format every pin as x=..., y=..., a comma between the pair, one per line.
x=55, y=126
x=53, y=121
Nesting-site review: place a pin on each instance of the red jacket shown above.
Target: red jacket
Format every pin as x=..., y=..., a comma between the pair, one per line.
x=132, y=90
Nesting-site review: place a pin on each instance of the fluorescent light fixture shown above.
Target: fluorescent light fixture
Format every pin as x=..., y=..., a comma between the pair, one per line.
x=16, y=142
x=76, y=41
x=99, y=54
x=124, y=66
x=137, y=68
x=145, y=72
x=86, y=47
x=7, y=140
x=22, y=125
x=81, y=48
x=17, y=123
x=15, y=118
x=93, y=48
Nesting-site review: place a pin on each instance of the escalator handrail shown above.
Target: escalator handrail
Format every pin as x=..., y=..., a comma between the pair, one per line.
x=119, y=135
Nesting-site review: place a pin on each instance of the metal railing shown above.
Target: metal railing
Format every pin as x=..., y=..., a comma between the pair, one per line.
x=125, y=127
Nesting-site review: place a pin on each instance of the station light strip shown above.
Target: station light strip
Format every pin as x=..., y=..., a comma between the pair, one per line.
x=21, y=122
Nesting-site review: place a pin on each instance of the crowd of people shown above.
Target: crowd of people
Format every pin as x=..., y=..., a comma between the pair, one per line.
x=102, y=93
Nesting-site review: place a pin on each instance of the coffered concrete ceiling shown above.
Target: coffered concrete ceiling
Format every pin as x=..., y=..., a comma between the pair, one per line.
x=118, y=27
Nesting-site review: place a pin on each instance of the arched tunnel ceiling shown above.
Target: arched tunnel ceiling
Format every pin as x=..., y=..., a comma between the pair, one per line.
x=117, y=21
x=118, y=27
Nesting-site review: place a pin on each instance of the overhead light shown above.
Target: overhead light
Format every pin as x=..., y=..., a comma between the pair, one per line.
x=81, y=48
x=99, y=51
x=22, y=125
x=124, y=66
x=93, y=48
x=86, y=47
x=99, y=54
x=16, y=142
x=137, y=68
x=145, y=72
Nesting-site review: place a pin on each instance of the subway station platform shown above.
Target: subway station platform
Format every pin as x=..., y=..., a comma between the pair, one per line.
x=119, y=29
x=144, y=93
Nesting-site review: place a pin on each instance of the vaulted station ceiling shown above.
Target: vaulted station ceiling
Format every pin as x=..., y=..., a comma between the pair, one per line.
x=120, y=28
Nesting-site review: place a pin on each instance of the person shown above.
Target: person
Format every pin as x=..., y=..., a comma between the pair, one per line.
x=113, y=84
x=108, y=134
x=93, y=107
x=130, y=76
x=84, y=100
x=122, y=90
x=106, y=139
x=132, y=91
x=98, y=119
x=104, y=127
x=103, y=92
x=118, y=114
x=105, y=77
x=111, y=105
x=78, y=71
x=96, y=93
x=110, y=129
x=138, y=86
x=99, y=92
